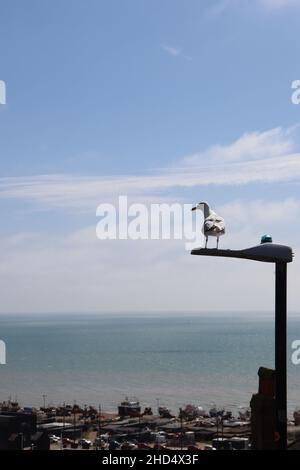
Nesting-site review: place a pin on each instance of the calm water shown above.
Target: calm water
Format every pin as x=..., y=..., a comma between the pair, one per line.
x=101, y=359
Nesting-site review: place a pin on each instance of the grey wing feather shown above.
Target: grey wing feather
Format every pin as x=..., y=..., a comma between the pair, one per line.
x=214, y=223
x=208, y=225
x=221, y=224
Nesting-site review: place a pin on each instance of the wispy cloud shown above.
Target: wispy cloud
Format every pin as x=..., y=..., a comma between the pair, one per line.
x=279, y=4
x=175, y=51
x=219, y=7
x=250, y=146
x=72, y=272
x=222, y=6
x=257, y=157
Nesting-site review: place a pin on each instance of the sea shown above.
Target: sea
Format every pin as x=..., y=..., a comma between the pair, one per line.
x=160, y=359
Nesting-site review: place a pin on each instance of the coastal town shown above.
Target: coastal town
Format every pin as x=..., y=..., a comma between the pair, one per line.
x=130, y=428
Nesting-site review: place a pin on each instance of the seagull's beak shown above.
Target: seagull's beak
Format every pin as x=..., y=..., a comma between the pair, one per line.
x=194, y=208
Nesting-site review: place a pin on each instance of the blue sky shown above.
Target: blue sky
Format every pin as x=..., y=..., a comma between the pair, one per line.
x=90, y=87
x=169, y=100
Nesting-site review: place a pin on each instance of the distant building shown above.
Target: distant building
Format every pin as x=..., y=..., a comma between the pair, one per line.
x=19, y=430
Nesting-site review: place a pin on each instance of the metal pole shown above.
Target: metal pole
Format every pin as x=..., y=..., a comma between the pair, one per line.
x=222, y=424
x=99, y=422
x=281, y=353
x=181, y=429
x=74, y=423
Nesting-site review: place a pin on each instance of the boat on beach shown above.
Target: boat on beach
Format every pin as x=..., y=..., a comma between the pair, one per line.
x=129, y=408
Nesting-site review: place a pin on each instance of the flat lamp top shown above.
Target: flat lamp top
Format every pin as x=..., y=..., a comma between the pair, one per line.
x=267, y=252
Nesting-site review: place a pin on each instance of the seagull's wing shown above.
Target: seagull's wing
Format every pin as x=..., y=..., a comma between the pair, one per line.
x=209, y=224
x=220, y=224
x=214, y=223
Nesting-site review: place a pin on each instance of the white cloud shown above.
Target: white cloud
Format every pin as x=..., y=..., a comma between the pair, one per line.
x=250, y=146
x=222, y=6
x=246, y=220
x=257, y=157
x=219, y=7
x=77, y=272
x=278, y=4
x=175, y=51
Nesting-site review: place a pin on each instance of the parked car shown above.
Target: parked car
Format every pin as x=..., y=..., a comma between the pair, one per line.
x=66, y=441
x=85, y=443
x=129, y=446
x=114, y=445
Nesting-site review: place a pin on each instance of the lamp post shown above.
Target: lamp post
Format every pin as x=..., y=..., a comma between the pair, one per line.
x=280, y=255
x=280, y=352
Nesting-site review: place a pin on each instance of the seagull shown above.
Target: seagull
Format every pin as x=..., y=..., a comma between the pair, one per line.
x=214, y=225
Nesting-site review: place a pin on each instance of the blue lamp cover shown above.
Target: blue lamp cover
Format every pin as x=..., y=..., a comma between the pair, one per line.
x=266, y=239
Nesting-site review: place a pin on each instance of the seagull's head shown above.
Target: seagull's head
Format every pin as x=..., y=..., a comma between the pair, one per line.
x=200, y=206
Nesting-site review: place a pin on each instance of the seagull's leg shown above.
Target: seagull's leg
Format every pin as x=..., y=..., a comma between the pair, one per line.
x=206, y=241
x=217, y=242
